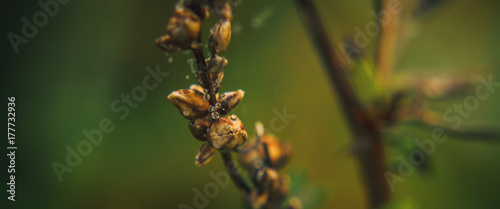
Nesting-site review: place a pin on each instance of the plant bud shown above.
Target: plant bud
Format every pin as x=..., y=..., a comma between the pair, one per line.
x=219, y=38
x=216, y=64
x=230, y=100
x=199, y=128
x=184, y=27
x=204, y=155
x=227, y=133
x=190, y=103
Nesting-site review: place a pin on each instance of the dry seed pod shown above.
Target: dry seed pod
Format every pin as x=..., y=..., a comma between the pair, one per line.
x=204, y=155
x=216, y=64
x=279, y=153
x=166, y=44
x=190, y=103
x=184, y=27
x=270, y=150
x=227, y=133
x=258, y=199
x=279, y=191
x=222, y=9
x=198, y=128
x=219, y=38
x=198, y=6
x=230, y=100
x=197, y=88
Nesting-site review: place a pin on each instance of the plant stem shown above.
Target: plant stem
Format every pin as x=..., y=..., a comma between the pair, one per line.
x=386, y=43
x=364, y=130
x=207, y=84
x=233, y=172
x=203, y=74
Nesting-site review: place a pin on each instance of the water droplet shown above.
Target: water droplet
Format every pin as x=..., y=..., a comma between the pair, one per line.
x=233, y=117
x=215, y=115
x=208, y=130
x=187, y=77
x=223, y=95
x=217, y=105
x=204, y=135
x=185, y=113
x=206, y=96
x=170, y=59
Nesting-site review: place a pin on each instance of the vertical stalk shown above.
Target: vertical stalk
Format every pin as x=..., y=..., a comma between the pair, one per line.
x=207, y=84
x=362, y=127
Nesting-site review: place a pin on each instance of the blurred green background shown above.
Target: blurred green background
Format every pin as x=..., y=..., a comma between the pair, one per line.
x=92, y=52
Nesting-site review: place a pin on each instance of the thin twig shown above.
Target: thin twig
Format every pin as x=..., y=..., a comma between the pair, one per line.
x=233, y=173
x=362, y=128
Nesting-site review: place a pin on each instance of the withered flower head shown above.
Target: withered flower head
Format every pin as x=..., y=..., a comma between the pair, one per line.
x=227, y=133
x=216, y=64
x=190, y=103
x=219, y=38
x=199, y=128
x=230, y=100
x=204, y=155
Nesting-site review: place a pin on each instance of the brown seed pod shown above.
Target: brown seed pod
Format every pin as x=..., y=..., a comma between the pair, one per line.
x=199, y=126
x=258, y=199
x=184, y=27
x=270, y=151
x=230, y=100
x=216, y=64
x=227, y=133
x=190, y=103
x=197, y=88
x=166, y=44
x=219, y=38
x=222, y=9
x=204, y=155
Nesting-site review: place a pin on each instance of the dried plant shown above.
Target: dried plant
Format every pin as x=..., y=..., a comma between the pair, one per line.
x=207, y=110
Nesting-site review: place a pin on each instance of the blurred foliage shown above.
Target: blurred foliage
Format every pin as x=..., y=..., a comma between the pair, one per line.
x=92, y=52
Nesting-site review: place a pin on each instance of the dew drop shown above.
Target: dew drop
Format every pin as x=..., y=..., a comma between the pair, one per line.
x=217, y=106
x=187, y=77
x=215, y=115
x=170, y=59
x=206, y=96
x=233, y=117
x=185, y=113
x=223, y=95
